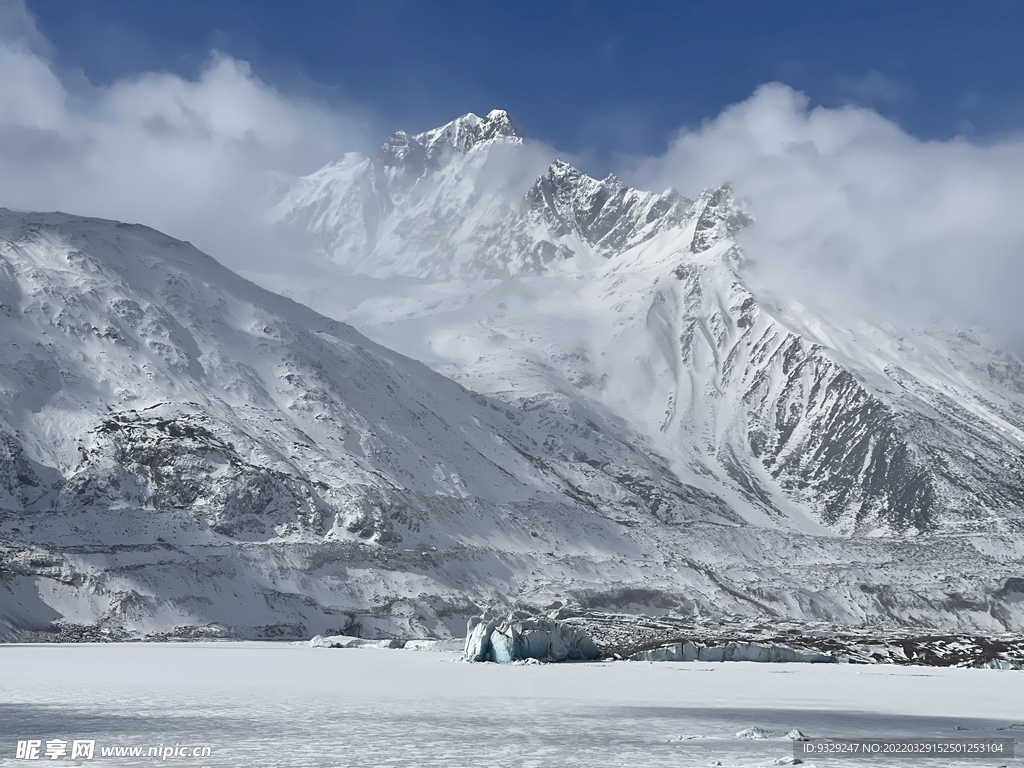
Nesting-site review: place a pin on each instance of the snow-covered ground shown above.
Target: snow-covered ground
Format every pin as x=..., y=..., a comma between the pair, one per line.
x=265, y=704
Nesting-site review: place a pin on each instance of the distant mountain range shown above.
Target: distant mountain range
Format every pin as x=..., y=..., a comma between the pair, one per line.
x=606, y=414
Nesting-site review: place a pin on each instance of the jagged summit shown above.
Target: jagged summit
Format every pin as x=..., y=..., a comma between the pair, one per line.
x=469, y=129
x=431, y=149
x=563, y=169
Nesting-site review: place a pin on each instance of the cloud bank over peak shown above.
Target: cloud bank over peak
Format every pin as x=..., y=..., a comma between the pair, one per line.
x=850, y=209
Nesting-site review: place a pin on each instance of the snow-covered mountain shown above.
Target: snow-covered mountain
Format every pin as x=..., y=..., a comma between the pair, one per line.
x=638, y=302
x=605, y=414
x=151, y=398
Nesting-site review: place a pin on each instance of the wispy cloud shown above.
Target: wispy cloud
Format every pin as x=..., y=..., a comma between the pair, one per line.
x=874, y=87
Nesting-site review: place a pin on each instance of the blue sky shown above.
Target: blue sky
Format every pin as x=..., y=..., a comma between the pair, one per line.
x=592, y=78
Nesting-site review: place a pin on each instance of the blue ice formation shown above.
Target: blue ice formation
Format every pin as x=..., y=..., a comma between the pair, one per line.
x=520, y=636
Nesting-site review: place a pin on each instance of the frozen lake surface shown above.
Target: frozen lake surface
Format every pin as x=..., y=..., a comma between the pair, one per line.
x=266, y=704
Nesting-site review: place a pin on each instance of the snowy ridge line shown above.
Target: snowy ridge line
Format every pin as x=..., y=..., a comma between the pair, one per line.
x=469, y=199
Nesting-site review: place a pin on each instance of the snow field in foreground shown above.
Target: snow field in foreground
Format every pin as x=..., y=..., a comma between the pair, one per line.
x=266, y=704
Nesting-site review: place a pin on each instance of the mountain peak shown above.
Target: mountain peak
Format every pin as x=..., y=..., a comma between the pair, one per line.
x=561, y=168
x=431, y=148
x=501, y=123
x=566, y=172
x=463, y=133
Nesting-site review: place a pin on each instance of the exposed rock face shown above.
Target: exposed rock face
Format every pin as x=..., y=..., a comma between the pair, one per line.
x=674, y=638
x=869, y=451
x=718, y=219
x=605, y=215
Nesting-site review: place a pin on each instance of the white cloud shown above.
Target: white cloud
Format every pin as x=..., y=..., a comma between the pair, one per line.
x=851, y=209
x=190, y=157
x=30, y=94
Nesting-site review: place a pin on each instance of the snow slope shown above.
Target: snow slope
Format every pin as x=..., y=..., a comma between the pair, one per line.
x=150, y=396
